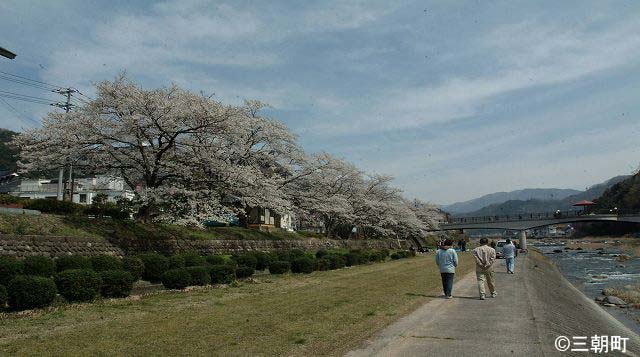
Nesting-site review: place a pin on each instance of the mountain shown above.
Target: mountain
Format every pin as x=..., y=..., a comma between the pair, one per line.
x=8, y=154
x=542, y=205
x=501, y=197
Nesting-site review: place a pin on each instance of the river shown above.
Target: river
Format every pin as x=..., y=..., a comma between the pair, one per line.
x=593, y=270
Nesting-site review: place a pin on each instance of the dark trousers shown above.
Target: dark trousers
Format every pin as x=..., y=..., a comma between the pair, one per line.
x=447, y=283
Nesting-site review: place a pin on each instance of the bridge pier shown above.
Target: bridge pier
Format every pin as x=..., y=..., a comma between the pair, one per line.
x=523, y=239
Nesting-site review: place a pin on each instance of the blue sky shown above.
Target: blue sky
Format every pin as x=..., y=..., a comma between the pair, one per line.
x=455, y=99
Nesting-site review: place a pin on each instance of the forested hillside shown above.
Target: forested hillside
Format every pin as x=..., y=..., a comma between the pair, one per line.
x=624, y=194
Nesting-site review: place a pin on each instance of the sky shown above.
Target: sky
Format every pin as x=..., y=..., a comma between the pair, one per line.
x=455, y=99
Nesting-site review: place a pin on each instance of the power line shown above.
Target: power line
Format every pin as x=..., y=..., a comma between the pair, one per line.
x=26, y=83
x=23, y=95
x=32, y=80
x=18, y=113
x=37, y=101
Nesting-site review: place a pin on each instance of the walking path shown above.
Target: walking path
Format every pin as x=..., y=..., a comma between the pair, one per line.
x=524, y=319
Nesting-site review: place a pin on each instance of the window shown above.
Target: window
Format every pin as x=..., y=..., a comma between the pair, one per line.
x=83, y=198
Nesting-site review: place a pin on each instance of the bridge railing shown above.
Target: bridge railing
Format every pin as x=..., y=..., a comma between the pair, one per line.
x=542, y=215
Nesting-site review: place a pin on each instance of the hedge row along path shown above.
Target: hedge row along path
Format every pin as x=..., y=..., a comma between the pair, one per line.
x=327, y=312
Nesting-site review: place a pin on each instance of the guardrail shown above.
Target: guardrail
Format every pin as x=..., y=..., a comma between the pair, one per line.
x=543, y=215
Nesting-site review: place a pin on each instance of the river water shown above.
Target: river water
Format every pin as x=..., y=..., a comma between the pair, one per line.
x=593, y=270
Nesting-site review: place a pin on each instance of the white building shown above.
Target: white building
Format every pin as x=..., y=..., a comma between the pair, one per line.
x=84, y=189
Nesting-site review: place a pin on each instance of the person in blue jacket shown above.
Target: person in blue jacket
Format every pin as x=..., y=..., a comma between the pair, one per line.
x=447, y=260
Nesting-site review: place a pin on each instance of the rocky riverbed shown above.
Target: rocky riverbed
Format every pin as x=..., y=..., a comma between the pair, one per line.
x=597, y=273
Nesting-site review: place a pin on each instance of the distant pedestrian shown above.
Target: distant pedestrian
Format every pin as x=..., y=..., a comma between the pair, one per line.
x=509, y=254
x=463, y=244
x=447, y=260
x=485, y=256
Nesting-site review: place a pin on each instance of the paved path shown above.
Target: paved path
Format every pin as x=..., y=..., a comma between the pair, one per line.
x=533, y=307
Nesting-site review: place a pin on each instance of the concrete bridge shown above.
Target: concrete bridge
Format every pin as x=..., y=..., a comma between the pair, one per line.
x=522, y=222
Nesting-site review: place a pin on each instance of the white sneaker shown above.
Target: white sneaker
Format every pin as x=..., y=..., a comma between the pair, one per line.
x=494, y=294
x=482, y=297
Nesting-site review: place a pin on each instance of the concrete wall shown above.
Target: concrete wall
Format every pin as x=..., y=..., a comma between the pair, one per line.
x=22, y=246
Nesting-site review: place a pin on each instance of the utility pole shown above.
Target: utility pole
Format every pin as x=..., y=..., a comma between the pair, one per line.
x=61, y=189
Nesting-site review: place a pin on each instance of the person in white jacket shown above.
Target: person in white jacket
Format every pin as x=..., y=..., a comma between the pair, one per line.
x=509, y=254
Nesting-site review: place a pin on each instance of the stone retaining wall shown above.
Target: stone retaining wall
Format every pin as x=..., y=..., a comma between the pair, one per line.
x=22, y=246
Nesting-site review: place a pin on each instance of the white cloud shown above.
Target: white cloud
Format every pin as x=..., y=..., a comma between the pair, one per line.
x=529, y=55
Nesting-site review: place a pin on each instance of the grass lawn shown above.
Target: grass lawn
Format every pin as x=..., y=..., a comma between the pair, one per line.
x=321, y=313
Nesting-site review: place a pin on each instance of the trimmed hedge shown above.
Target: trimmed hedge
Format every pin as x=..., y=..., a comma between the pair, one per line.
x=134, y=266
x=176, y=278
x=29, y=292
x=246, y=260
x=279, y=267
x=193, y=260
x=336, y=261
x=303, y=265
x=401, y=254
x=154, y=266
x=53, y=206
x=222, y=274
x=244, y=272
x=199, y=275
x=78, y=284
x=116, y=283
x=10, y=267
x=105, y=262
x=176, y=261
x=323, y=264
x=262, y=260
x=4, y=297
x=67, y=262
x=321, y=253
x=215, y=259
x=39, y=266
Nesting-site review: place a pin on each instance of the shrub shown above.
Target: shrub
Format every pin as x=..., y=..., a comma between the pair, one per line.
x=222, y=274
x=262, y=260
x=10, y=267
x=303, y=265
x=323, y=264
x=279, y=267
x=3, y=297
x=53, y=206
x=215, y=259
x=67, y=262
x=39, y=265
x=401, y=254
x=105, y=262
x=377, y=256
x=355, y=257
x=199, y=275
x=321, y=253
x=244, y=272
x=134, y=266
x=78, y=284
x=116, y=283
x=246, y=260
x=154, y=266
x=176, y=261
x=396, y=256
x=28, y=292
x=176, y=278
x=193, y=260
x=336, y=261
x=384, y=252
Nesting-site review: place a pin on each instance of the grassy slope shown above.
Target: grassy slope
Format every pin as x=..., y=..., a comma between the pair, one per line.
x=82, y=227
x=321, y=313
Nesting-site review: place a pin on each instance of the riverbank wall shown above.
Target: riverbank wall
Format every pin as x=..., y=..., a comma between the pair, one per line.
x=23, y=245
x=560, y=309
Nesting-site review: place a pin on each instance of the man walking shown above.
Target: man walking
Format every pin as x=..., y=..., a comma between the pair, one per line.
x=485, y=256
x=509, y=254
x=447, y=260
